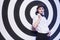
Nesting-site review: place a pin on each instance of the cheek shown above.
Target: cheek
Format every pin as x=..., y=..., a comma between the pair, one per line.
x=39, y=10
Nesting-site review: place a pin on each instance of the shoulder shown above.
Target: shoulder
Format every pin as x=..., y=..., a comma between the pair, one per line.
x=35, y=17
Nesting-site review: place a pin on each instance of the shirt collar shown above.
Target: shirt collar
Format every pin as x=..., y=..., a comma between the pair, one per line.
x=41, y=14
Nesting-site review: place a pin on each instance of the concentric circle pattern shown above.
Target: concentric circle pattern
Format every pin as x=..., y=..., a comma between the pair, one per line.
x=16, y=17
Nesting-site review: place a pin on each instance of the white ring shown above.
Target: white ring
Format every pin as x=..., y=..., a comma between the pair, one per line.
x=3, y=31
x=13, y=24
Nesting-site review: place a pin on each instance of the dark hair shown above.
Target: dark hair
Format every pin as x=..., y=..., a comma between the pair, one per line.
x=41, y=5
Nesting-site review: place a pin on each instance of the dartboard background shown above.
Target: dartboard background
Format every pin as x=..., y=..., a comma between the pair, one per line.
x=7, y=30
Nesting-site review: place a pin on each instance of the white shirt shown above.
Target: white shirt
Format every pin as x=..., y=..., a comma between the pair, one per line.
x=42, y=26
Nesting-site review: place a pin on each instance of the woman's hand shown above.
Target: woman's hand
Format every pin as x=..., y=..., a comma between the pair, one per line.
x=35, y=25
x=49, y=34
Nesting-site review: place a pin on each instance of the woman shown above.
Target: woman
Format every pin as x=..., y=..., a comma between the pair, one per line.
x=40, y=24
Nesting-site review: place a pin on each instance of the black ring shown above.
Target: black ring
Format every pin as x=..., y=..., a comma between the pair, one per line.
x=28, y=8
x=54, y=14
x=19, y=24
x=6, y=22
x=54, y=19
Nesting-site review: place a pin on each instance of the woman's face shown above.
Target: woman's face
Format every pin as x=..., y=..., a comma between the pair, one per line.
x=40, y=10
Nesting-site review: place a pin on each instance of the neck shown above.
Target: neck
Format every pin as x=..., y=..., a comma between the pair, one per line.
x=40, y=14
